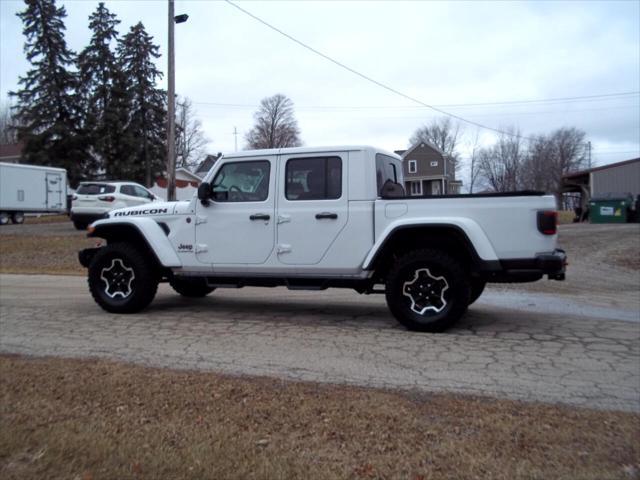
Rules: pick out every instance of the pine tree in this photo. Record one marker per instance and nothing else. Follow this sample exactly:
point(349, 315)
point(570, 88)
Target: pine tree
point(136, 54)
point(46, 104)
point(97, 70)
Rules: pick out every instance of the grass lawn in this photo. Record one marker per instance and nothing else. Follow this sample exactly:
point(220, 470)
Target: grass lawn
point(90, 419)
point(43, 254)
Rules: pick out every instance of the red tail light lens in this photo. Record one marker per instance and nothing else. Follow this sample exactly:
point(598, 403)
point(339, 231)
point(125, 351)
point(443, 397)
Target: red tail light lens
point(548, 222)
point(107, 198)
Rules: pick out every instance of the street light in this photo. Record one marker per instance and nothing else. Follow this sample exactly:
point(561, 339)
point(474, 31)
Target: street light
point(171, 108)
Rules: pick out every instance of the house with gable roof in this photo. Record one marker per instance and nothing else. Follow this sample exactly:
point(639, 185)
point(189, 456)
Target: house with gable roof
point(428, 171)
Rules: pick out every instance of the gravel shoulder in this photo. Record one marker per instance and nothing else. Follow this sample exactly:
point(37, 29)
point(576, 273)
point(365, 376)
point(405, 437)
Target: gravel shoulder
point(604, 266)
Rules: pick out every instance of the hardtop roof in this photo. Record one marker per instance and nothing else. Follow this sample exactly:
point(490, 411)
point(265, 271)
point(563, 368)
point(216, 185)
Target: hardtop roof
point(308, 150)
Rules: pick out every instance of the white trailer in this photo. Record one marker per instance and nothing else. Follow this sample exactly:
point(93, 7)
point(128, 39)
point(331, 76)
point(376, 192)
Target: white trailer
point(31, 189)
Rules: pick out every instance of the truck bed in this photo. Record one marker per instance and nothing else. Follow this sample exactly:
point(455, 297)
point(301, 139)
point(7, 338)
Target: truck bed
point(501, 226)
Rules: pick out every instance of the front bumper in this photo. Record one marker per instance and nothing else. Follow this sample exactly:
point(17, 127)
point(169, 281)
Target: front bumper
point(518, 270)
point(85, 256)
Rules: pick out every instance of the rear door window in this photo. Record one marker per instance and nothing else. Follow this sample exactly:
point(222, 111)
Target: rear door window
point(316, 178)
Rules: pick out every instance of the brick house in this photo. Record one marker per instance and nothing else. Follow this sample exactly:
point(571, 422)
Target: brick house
point(427, 171)
point(11, 152)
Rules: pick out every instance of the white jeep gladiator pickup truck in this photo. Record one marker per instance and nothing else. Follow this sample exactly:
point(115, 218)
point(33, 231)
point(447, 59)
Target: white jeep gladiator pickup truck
point(314, 218)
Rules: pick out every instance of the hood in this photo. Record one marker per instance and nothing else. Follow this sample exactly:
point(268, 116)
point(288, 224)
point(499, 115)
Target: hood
point(154, 209)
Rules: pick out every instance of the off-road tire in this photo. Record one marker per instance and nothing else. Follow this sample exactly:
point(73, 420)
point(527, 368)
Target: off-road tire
point(142, 287)
point(476, 288)
point(80, 225)
point(436, 265)
point(191, 287)
point(17, 218)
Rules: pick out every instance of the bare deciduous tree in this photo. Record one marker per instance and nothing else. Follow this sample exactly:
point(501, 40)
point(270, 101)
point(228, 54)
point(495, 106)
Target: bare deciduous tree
point(551, 156)
point(474, 170)
point(190, 140)
point(8, 132)
point(500, 165)
point(276, 126)
point(442, 133)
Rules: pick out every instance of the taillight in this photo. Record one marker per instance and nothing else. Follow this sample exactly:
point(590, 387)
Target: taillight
point(107, 199)
point(548, 222)
point(74, 197)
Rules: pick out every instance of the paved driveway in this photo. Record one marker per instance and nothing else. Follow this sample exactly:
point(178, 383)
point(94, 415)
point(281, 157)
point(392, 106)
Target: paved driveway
point(520, 347)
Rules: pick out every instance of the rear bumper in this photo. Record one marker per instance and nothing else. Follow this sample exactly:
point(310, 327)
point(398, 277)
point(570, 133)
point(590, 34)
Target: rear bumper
point(552, 264)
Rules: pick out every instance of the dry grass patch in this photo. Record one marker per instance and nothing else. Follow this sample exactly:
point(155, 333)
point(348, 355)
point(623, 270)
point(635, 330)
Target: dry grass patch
point(46, 219)
point(566, 216)
point(42, 254)
point(96, 419)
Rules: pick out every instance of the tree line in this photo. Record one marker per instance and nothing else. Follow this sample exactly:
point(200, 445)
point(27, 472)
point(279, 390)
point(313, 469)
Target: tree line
point(97, 112)
point(513, 162)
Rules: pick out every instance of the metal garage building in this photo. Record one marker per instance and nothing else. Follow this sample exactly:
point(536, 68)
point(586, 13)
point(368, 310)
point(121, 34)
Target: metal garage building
point(616, 180)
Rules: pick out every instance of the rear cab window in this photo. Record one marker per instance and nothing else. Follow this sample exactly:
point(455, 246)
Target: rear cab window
point(388, 175)
point(95, 189)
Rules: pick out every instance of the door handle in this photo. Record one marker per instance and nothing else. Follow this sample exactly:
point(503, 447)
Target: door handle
point(259, 216)
point(330, 215)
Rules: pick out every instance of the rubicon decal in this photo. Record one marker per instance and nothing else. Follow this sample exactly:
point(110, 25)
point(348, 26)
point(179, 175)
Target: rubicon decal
point(149, 211)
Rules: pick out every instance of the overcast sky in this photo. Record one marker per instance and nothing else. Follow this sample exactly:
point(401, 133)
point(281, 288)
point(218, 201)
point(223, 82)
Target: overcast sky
point(443, 53)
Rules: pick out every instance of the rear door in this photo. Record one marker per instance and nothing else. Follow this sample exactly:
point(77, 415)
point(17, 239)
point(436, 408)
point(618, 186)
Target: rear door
point(54, 191)
point(312, 206)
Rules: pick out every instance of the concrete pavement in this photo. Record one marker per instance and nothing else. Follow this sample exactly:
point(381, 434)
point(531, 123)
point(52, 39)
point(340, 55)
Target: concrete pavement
point(503, 347)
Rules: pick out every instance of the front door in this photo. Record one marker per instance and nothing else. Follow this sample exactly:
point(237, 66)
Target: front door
point(237, 226)
point(133, 195)
point(312, 206)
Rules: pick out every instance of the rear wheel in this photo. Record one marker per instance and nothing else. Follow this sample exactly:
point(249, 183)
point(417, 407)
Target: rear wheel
point(17, 217)
point(476, 288)
point(427, 290)
point(122, 279)
point(191, 287)
point(4, 218)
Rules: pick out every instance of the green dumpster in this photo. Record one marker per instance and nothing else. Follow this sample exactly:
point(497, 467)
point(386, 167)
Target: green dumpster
point(609, 210)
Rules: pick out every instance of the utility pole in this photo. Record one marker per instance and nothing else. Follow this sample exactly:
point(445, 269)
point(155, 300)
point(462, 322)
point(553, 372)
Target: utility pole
point(171, 110)
point(235, 135)
point(589, 150)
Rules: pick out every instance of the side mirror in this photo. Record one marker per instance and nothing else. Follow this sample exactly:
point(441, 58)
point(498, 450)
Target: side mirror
point(204, 192)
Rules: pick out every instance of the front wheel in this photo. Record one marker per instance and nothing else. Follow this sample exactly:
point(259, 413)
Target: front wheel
point(80, 225)
point(191, 287)
point(427, 290)
point(122, 279)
